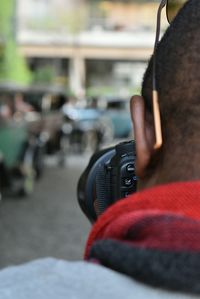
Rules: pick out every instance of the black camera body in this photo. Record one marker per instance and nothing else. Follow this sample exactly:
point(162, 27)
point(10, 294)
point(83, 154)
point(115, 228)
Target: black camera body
point(109, 177)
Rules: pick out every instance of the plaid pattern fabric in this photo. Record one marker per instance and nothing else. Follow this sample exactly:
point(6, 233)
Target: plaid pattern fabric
point(153, 236)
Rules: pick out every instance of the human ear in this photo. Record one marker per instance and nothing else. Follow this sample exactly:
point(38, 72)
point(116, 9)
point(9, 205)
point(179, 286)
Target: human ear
point(143, 134)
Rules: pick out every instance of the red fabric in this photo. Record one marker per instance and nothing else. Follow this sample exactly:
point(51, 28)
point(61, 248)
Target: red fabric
point(164, 217)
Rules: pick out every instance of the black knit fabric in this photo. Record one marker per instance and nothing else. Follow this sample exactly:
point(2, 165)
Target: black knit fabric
point(177, 271)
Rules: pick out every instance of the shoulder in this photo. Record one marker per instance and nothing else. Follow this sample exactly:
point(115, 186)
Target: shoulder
point(51, 278)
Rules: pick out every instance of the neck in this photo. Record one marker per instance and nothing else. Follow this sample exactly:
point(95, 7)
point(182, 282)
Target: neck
point(178, 167)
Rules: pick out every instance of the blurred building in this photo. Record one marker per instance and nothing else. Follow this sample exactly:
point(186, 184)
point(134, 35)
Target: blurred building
point(87, 44)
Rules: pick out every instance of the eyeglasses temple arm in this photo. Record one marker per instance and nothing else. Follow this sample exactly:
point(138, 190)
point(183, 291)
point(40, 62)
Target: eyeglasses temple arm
point(162, 4)
point(156, 109)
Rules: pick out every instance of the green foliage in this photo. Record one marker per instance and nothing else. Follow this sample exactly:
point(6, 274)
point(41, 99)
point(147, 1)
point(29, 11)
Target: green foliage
point(71, 20)
point(6, 17)
point(125, 1)
point(94, 91)
point(13, 67)
point(44, 75)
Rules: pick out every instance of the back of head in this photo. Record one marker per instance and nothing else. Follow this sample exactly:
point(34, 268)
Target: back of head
point(178, 82)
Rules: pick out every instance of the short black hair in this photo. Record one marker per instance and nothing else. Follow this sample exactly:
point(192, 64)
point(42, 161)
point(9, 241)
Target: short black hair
point(178, 73)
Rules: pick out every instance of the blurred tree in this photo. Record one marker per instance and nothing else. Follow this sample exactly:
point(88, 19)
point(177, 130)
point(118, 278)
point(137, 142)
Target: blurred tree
point(44, 75)
point(13, 67)
point(126, 1)
point(5, 16)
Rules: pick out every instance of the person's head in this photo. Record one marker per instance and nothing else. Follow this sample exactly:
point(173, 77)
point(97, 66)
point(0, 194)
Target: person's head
point(178, 82)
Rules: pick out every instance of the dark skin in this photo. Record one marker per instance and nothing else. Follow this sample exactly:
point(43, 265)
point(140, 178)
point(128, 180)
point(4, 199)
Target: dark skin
point(178, 84)
point(144, 137)
point(175, 164)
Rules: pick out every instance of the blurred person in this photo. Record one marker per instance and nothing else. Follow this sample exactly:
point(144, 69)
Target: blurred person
point(21, 106)
point(6, 108)
point(5, 112)
point(69, 108)
point(146, 246)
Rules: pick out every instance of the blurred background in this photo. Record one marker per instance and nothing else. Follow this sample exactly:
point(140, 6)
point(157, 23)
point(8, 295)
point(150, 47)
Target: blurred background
point(67, 72)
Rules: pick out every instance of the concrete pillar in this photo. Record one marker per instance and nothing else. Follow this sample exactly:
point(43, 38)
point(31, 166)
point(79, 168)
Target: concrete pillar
point(77, 75)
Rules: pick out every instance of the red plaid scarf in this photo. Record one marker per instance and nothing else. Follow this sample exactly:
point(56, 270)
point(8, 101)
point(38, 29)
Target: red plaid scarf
point(159, 226)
